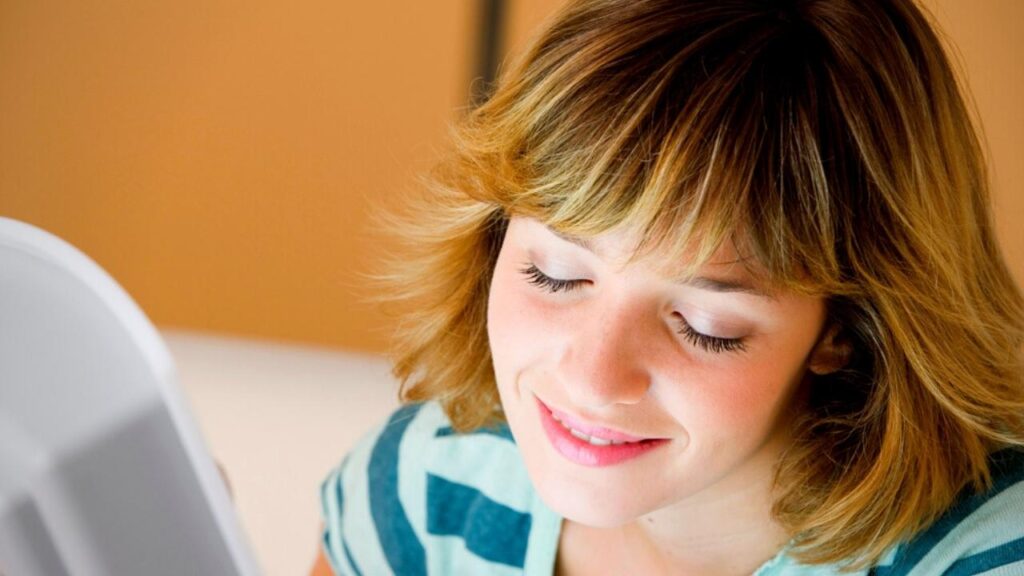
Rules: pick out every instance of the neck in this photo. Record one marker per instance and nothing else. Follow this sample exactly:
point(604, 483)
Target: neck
point(732, 533)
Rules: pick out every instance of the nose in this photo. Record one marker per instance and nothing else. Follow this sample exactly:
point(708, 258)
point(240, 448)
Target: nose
point(604, 362)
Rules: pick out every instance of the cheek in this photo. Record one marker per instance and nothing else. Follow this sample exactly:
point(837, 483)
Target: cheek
point(727, 404)
point(512, 325)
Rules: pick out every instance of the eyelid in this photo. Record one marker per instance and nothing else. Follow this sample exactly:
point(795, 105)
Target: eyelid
point(538, 278)
point(713, 344)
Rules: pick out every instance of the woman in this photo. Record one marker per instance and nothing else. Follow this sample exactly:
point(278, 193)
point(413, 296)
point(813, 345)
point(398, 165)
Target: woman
point(706, 287)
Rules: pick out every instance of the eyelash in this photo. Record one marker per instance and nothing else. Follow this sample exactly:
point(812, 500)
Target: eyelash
point(542, 280)
point(712, 344)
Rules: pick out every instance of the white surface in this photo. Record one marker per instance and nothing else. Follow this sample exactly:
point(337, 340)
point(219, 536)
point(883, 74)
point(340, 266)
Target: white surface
point(278, 417)
point(92, 425)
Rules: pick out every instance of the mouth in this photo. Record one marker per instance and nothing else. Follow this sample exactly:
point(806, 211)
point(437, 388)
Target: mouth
point(591, 445)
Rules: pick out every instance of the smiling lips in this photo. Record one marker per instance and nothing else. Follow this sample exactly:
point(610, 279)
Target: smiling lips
point(595, 433)
point(591, 445)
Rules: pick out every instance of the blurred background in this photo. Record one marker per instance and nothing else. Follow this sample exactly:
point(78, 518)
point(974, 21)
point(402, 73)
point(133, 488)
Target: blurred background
point(220, 160)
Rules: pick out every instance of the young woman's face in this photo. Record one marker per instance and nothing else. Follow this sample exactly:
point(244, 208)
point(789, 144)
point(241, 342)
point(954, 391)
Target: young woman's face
point(678, 392)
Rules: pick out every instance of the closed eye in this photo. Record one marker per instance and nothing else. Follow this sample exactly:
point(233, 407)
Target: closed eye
point(708, 343)
point(714, 344)
point(537, 278)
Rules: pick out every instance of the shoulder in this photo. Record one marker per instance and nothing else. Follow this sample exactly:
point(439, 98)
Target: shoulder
point(980, 533)
point(415, 497)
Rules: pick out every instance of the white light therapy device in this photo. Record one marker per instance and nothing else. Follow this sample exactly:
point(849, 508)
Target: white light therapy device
point(103, 471)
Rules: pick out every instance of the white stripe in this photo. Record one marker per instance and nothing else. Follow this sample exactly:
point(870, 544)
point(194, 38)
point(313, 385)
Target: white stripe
point(481, 461)
point(786, 565)
point(542, 548)
point(357, 523)
point(412, 478)
point(459, 560)
point(485, 462)
point(328, 512)
point(996, 522)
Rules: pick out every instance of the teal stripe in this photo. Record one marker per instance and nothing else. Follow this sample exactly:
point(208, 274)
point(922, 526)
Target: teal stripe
point(402, 549)
point(490, 530)
point(351, 560)
point(499, 431)
point(1007, 469)
point(340, 493)
point(348, 556)
point(327, 520)
point(1008, 553)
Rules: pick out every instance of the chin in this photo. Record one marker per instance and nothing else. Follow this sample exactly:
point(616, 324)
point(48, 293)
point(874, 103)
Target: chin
point(590, 505)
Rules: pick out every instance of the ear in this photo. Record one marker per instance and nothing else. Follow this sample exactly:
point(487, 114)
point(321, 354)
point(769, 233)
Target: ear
point(832, 351)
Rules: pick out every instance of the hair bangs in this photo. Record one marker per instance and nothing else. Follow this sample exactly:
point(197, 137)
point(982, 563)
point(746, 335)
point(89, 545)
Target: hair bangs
point(711, 147)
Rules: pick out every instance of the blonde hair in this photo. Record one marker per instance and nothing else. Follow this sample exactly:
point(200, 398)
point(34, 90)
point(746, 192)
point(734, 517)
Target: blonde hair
point(830, 141)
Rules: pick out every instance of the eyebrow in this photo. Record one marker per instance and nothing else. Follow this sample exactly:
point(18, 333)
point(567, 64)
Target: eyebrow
point(581, 242)
point(722, 285)
point(700, 282)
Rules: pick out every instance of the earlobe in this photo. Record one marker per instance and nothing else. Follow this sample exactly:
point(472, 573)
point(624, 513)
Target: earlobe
point(831, 353)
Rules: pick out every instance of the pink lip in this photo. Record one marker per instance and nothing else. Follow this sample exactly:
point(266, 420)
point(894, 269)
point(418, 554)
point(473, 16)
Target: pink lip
point(603, 433)
point(587, 454)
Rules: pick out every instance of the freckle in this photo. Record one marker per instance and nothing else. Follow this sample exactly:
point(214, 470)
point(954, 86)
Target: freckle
point(651, 520)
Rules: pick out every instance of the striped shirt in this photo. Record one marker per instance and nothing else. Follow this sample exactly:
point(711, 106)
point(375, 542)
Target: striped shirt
point(415, 498)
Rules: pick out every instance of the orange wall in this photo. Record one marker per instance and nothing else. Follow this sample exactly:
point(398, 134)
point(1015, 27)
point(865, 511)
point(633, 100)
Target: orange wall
point(219, 158)
point(987, 42)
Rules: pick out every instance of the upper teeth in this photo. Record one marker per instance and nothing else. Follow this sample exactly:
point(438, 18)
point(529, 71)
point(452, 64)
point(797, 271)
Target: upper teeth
point(585, 437)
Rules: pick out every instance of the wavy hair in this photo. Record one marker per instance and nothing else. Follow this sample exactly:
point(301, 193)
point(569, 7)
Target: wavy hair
point(827, 138)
